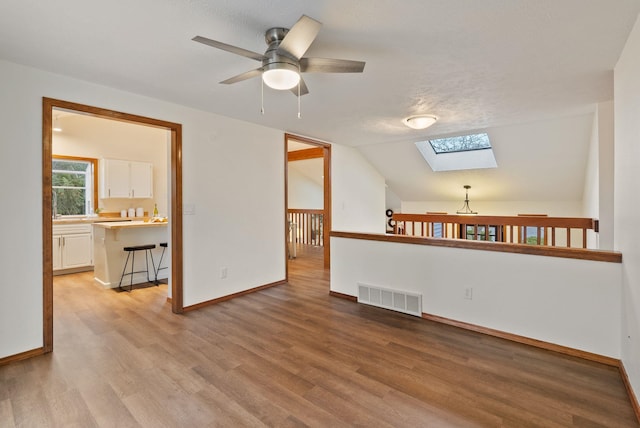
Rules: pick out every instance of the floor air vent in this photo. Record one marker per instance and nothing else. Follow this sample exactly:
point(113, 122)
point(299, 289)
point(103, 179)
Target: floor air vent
point(396, 300)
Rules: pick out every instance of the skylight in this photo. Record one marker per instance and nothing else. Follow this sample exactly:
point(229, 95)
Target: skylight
point(458, 153)
point(462, 143)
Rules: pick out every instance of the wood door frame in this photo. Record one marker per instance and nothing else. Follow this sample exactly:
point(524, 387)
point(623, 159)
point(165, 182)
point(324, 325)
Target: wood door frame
point(326, 223)
point(175, 129)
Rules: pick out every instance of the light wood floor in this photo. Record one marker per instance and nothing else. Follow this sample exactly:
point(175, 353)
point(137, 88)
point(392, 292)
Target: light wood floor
point(290, 356)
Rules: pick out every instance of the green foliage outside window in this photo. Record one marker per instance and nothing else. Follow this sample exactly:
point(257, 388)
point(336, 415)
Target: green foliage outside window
point(70, 181)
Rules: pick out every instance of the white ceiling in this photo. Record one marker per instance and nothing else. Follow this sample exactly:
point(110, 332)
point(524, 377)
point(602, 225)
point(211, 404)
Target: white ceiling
point(476, 65)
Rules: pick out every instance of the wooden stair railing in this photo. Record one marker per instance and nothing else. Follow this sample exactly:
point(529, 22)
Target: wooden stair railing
point(548, 231)
point(309, 226)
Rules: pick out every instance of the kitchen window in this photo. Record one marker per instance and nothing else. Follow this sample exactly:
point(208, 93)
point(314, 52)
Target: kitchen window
point(74, 183)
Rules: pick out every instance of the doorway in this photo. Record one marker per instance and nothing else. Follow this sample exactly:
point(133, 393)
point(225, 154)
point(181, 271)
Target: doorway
point(175, 172)
point(310, 225)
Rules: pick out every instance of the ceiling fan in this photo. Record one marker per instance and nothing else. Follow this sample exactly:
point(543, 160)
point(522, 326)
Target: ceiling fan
point(283, 60)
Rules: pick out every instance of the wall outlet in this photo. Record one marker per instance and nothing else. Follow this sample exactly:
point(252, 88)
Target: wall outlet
point(468, 293)
point(223, 273)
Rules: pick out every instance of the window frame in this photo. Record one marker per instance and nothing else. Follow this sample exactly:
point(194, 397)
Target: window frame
point(94, 163)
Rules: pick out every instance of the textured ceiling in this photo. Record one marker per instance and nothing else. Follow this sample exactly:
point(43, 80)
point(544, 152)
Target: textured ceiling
point(476, 65)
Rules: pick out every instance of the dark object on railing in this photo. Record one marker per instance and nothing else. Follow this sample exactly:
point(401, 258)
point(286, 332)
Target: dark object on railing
point(390, 222)
point(533, 229)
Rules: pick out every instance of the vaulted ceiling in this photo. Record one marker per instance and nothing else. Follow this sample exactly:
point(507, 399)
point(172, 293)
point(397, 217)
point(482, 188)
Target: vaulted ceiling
point(529, 72)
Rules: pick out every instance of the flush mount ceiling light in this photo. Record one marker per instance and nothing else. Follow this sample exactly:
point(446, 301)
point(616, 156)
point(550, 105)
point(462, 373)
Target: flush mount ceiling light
point(466, 210)
point(422, 121)
point(56, 125)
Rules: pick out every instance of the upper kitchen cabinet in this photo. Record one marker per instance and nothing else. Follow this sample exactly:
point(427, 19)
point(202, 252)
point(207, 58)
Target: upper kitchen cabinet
point(141, 179)
point(125, 179)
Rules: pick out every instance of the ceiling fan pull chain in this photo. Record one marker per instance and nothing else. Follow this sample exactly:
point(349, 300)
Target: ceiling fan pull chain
point(299, 117)
point(262, 98)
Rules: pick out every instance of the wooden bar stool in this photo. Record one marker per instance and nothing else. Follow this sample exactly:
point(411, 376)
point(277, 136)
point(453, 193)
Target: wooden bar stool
point(131, 252)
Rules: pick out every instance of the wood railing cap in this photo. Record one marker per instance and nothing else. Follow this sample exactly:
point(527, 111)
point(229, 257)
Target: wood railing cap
point(535, 250)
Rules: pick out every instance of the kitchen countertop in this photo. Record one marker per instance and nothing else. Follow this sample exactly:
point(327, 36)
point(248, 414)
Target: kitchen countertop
point(130, 224)
point(89, 220)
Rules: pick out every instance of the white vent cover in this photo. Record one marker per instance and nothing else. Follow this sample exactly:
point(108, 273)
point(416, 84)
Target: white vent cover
point(396, 300)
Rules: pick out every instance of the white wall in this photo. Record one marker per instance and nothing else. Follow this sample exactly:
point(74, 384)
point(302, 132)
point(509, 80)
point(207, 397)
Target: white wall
point(627, 205)
point(223, 232)
point(590, 198)
point(357, 192)
point(305, 184)
point(597, 199)
point(88, 136)
point(606, 171)
point(573, 303)
point(507, 208)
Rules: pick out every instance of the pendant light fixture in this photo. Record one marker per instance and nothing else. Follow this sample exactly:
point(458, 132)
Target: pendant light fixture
point(466, 210)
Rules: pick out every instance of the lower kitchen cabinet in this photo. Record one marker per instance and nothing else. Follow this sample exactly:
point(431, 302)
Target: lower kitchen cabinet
point(72, 247)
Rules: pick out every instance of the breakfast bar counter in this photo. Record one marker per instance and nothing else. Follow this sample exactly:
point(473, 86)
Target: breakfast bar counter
point(109, 240)
point(114, 225)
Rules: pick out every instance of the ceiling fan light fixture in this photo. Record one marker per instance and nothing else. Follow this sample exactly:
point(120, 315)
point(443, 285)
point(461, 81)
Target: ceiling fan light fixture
point(281, 76)
point(422, 121)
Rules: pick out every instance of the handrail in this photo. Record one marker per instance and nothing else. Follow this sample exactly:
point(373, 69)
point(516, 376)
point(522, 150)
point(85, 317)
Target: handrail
point(511, 229)
point(534, 250)
point(308, 226)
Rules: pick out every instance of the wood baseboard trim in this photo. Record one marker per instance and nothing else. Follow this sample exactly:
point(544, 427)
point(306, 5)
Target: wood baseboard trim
point(168, 299)
point(526, 340)
point(21, 356)
point(232, 296)
point(343, 296)
point(632, 396)
point(516, 338)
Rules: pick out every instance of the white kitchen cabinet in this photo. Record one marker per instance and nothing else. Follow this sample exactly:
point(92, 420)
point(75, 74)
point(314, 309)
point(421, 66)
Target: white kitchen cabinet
point(72, 246)
point(57, 252)
point(141, 179)
point(125, 179)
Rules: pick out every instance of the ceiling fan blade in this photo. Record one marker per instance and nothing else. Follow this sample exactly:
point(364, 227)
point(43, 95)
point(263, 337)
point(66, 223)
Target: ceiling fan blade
point(229, 48)
point(243, 76)
point(300, 37)
point(303, 88)
point(329, 65)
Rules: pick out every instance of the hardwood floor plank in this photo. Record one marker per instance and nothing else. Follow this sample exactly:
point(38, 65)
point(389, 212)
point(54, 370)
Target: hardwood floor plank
point(105, 406)
point(69, 410)
point(32, 410)
point(293, 399)
point(6, 414)
point(349, 412)
point(227, 413)
point(290, 356)
point(239, 391)
point(148, 411)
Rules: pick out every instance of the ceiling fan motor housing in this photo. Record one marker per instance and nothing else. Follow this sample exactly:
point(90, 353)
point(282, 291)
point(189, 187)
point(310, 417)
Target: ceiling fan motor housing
point(274, 59)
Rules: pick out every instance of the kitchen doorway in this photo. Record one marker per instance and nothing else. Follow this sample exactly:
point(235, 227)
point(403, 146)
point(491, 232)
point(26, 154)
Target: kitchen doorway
point(309, 222)
point(175, 218)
